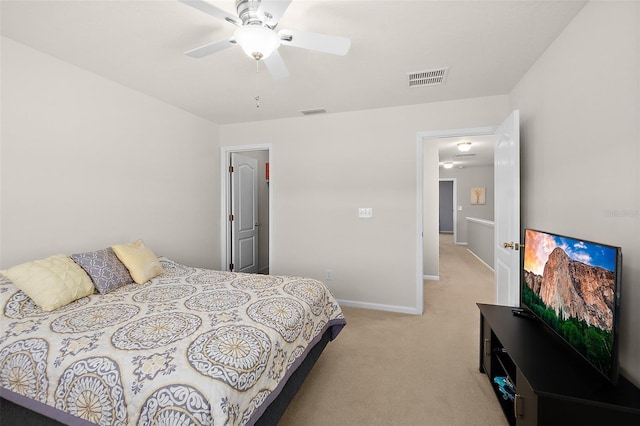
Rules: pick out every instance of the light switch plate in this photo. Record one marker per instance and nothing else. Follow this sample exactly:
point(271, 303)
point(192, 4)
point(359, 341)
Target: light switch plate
point(365, 212)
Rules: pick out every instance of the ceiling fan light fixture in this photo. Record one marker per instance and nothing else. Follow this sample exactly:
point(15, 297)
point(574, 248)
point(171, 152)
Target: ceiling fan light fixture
point(258, 42)
point(464, 146)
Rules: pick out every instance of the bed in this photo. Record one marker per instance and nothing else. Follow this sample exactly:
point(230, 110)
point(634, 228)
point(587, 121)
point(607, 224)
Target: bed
point(189, 346)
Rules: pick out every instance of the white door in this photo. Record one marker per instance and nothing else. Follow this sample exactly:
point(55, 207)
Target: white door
point(244, 213)
point(507, 211)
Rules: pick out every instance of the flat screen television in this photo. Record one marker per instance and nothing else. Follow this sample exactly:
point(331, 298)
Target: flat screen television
point(573, 286)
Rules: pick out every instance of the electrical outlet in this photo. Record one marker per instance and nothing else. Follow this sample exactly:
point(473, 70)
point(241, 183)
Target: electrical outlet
point(329, 275)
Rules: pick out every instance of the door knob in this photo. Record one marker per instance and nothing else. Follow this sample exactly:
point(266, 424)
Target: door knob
point(512, 245)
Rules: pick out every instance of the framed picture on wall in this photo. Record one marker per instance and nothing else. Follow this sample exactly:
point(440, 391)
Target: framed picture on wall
point(478, 196)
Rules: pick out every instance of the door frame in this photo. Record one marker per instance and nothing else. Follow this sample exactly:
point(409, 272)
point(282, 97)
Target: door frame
point(225, 199)
point(422, 138)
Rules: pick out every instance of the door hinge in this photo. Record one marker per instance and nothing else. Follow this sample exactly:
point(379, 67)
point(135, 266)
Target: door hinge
point(230, 169)
point(231, 266)
point(230, 218)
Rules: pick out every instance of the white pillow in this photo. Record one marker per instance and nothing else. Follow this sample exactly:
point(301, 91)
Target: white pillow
point(52, 282)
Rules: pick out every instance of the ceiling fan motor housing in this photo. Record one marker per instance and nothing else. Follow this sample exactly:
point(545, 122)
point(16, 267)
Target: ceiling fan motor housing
point(248, 12)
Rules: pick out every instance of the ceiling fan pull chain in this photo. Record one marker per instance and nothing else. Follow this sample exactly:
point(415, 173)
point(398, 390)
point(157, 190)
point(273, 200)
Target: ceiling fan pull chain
point(257, 98)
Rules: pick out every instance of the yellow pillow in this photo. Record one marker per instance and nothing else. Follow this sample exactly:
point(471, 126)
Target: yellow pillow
point(141, 262)
point(52, 282)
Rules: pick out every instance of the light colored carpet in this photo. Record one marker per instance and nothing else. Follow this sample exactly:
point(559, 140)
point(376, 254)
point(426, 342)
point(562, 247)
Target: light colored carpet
point(395, 369)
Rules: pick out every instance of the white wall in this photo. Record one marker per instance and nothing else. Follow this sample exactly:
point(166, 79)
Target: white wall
point(87, 163)
point(580, 117)
point(324, 167)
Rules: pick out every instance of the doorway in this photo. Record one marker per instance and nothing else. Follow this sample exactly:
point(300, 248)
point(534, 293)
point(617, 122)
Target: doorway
point(246, 241)
point(507, 206)
point(428, 238)
point(447, 203)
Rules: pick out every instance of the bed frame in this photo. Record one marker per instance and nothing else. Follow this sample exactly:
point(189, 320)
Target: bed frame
point(16, 409)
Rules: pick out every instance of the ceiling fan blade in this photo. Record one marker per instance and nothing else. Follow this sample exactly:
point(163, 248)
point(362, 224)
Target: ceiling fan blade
point(319, 42)
point(212, 10)
point(270, 11)
point(209, 48)
point(276, 65)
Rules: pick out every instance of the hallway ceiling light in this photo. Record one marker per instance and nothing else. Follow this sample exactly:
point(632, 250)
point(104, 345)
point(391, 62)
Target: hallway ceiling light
point(464, 146)
point(447, 164)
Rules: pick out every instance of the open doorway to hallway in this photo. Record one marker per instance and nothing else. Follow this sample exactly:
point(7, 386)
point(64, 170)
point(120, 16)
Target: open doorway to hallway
point(436, 149)
point(506, 180)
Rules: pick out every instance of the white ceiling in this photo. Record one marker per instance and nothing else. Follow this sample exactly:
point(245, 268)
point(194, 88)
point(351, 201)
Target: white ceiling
point(487, 45)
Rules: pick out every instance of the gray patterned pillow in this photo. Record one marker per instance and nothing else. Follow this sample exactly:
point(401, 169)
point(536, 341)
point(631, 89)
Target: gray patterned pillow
point(104, 268)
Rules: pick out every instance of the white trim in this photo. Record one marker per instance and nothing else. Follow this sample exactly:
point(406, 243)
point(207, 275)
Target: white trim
point(455, 133)
point(483, 262)
point(431, 277)
point(485, 222)
point(379, 307)
point(420, 229)
point(225, 162)
point(420, 139)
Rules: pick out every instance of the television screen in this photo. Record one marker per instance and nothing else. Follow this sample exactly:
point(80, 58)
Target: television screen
point(573, 286)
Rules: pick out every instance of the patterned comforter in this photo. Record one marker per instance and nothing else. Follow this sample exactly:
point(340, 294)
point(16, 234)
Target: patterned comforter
point(193, 346)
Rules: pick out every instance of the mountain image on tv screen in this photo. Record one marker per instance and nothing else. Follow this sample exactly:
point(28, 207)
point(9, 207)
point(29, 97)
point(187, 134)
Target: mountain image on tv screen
point(570, 285)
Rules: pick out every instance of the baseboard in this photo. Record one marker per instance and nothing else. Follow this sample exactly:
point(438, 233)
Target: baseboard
point(380, 307)
point(431, 277)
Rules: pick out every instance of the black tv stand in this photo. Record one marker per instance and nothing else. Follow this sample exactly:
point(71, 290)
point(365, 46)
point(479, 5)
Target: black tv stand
point(551, 384)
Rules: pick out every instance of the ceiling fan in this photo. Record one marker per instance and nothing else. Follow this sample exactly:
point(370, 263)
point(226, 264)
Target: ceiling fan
point(256, 34)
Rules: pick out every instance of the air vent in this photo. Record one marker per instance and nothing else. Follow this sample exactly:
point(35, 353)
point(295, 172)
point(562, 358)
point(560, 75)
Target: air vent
point(465, 155)
point(428, 78)
point(313, 111)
